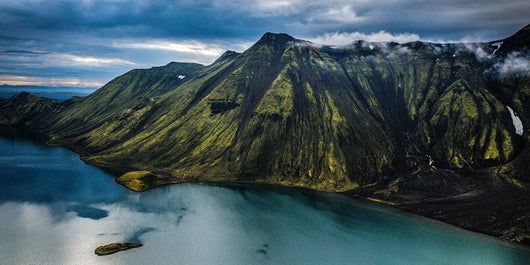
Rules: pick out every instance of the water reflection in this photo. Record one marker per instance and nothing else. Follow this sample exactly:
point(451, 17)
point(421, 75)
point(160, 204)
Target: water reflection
point(87, 211)
point(54, 209)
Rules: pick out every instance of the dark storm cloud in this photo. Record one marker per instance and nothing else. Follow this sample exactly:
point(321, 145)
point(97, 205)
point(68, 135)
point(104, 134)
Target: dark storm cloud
point(119, 18)
point(103, 38)
point(249, 19)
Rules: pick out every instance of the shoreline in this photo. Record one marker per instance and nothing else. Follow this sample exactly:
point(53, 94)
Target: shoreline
point(400, 207)
point(417, 209)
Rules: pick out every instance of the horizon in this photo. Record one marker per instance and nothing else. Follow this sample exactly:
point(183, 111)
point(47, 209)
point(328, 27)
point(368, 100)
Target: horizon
point(42, 86)
point(88, 43)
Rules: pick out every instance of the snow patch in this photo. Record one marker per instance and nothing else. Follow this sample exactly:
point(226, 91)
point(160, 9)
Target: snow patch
point(498, 45)
point(431, 161)
point(181, 77)
point(516, 121)
point(344, 38)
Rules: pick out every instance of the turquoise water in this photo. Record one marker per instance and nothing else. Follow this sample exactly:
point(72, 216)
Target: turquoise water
point(54, 209)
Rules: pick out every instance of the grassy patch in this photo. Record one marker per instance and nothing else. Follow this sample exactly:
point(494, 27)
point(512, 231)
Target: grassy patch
point(139, 180)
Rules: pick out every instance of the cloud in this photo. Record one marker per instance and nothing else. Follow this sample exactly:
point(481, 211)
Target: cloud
point(261, 8)
point(514, 63)
point(451, 19)
point(37, 67)
point(188, 51)
point(479, 50)
point(23, 52)
point(46, 59)
point(194, 47)
point(17, 80)
point(340, 14)
point(101, 39)
point(344, 38)
point(68, 59)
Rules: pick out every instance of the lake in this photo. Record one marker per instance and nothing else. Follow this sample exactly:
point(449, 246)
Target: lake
point(54, 209)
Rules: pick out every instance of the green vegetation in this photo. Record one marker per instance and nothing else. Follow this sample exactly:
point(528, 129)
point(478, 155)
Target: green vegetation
point(115, 247)
point(139, 180)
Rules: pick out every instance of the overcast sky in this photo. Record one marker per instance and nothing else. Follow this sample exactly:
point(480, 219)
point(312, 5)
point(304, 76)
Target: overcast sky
point(89, 42)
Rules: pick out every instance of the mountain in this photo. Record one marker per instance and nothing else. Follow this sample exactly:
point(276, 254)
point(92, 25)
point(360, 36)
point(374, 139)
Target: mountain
point(436, 129)
point(518, 41)
point(55, 92)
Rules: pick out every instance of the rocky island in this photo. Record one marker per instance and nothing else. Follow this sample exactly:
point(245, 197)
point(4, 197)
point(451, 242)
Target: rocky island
point(115, 247)
point(441, 130)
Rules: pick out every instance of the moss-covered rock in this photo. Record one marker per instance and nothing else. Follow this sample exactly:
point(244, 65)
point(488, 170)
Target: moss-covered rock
point(139, 180)
point(115, 247)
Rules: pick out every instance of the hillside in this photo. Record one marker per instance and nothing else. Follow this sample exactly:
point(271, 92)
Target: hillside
point(437, 129)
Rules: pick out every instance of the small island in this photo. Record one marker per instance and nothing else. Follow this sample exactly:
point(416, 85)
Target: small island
point(115, 247)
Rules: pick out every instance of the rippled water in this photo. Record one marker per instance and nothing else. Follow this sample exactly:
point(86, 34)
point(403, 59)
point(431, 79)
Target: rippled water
point(54, 209)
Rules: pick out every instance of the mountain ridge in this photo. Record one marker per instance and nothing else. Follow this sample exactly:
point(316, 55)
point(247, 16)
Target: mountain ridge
point(421, 126)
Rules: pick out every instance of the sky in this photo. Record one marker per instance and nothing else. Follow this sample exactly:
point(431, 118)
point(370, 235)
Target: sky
point(89, 42)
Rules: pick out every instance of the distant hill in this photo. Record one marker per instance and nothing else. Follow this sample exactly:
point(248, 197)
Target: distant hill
point(437, 129)
point(54, 92)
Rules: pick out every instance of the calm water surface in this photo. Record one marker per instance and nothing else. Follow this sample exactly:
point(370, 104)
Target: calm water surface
point(54, 209)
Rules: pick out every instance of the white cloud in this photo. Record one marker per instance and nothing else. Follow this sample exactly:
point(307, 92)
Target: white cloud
point(344, 38)
point(514, 63)
point(194, 47)
point(278, 6)
point(18, 80)
point(259, 8)
point(190, 50)
point(343, 14)
point(87, 60)
point(475, 48)
point(44, 59)
point(464, 39)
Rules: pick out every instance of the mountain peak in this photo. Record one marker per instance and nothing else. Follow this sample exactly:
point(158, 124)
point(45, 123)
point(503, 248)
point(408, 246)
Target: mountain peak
point(226, 56)
point(25, 97)
point(275, 38)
